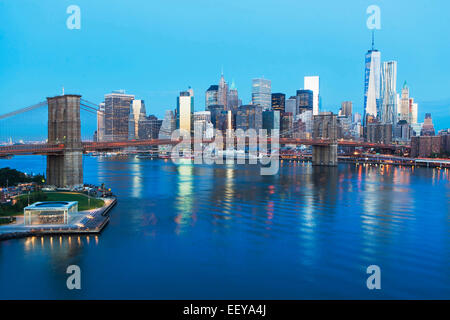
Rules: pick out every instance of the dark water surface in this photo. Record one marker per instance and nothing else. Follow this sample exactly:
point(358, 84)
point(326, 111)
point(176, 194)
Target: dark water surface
point(212, 232)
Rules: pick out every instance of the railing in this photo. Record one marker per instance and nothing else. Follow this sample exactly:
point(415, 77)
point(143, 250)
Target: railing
point(99, 146)
point(31, 149)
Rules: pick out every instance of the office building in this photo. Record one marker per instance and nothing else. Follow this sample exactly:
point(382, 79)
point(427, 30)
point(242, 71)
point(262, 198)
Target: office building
point(212, 96)
point(312, 83)
point(262, 93)
point(233, 99)
point(291, 105)
point(137, 114)
point(427, 127)
point(100, 136)
point(372, 83)
point(346, 109)
point(388, 112)
point(117, 112)
point(278, 101)
point(249, 117)
point(304, 101)
point(185, 107)
point(271, 120)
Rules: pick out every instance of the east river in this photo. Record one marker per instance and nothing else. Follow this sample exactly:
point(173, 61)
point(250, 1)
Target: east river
point(225, 231)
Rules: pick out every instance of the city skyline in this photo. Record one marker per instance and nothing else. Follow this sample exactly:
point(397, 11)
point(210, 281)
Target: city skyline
point(341, 75)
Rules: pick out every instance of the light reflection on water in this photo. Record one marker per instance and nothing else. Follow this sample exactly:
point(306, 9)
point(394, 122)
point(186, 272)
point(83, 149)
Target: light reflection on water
point(201, 231)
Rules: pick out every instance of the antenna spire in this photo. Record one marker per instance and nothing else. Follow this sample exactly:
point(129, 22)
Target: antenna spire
point(63, 90)
point(373, 39)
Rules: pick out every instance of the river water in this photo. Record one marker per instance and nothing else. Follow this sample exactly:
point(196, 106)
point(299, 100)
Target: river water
point(223, 231)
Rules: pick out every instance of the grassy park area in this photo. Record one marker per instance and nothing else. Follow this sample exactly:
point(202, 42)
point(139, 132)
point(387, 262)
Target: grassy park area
point(22, 201)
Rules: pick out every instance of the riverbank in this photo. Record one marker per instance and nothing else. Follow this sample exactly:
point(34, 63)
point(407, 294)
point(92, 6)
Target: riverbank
point(86, 222)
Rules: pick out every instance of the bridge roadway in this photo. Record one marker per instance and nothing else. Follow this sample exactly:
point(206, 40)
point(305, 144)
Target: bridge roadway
point(50, 149)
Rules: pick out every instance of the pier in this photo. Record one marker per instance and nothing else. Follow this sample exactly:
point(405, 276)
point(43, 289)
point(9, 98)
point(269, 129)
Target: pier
point(88, 222)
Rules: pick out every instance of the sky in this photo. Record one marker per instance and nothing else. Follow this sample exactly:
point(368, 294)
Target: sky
point(155, 49)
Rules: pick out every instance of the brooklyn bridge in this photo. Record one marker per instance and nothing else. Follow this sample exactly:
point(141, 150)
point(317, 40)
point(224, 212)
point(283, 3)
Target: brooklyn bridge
point(64, 147)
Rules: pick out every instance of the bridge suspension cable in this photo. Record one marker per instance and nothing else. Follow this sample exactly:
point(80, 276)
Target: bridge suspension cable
point(23, 110)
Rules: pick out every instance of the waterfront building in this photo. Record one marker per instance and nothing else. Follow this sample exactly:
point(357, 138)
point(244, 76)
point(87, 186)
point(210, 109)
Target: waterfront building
point(149, 127)
point(262, 93)
point(312, 83)
point(249, 117)
point(117, 111)
point(346, 109)
point(212, 96)
point(372, 82)
point(428, 146)
point(278, 101)
point(304, 101)
point(168, 125)
point(389, 92)
point(291, 105)
point(271, 120)
point(185, 107)
point(137, 114)
point(427, 127)
point(50, 212)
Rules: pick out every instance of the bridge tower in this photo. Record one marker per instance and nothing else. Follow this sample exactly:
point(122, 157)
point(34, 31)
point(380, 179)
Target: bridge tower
point(64, 126)
point(325, 128)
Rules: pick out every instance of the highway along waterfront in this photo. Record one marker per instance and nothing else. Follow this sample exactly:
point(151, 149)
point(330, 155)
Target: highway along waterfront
point(226, 232)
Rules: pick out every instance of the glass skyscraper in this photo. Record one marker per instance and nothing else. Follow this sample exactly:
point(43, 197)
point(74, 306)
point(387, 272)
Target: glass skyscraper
point(262, 93)
point(312, 83)
point(388, 110)
point(117, 111)
point(212, 96)
point(372, 82)
point(278, 101)
point(304, 101)
point(185, 107)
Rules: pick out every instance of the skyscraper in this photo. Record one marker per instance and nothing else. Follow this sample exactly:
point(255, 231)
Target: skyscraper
point(261, 93)
point(291, 106)
point(278, 101)
point(101, 122)
point(312, 83)
point(404, 104)
point(304, 101)
point(427, 127)
point(137, 113)
point(346, 108)
point(212, 96)
point(117, 111)
point(249, 117)
point(185, 107)
point(222, 93)
point(389, 93)
point(233, 98)
point(372, 83)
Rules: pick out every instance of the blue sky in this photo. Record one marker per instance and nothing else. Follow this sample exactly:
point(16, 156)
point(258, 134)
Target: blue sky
point(154, 49)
